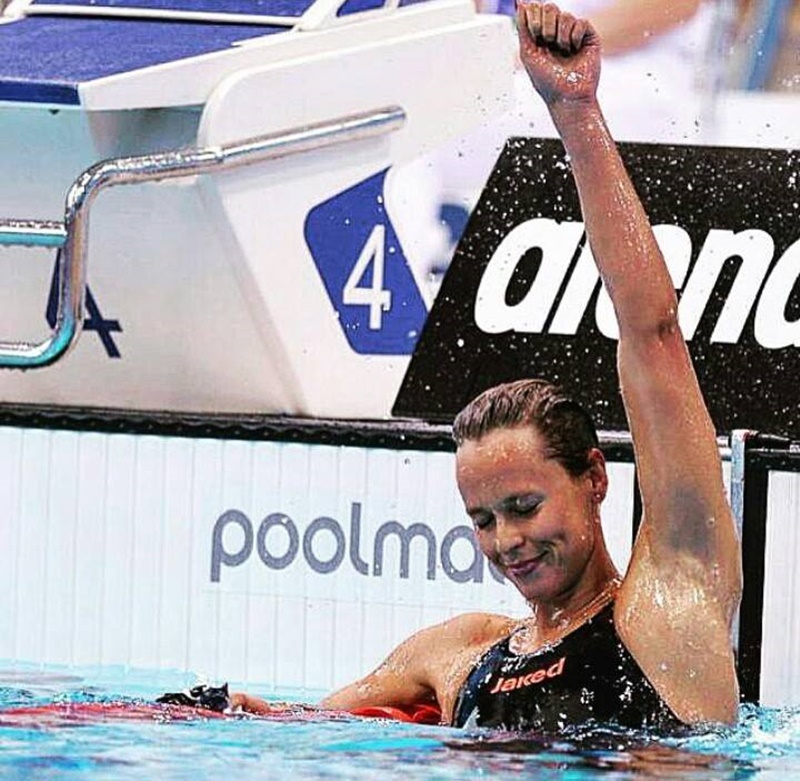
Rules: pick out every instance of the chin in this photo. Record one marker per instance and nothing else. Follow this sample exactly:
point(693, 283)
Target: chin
point(546, 588)
point(541, 591)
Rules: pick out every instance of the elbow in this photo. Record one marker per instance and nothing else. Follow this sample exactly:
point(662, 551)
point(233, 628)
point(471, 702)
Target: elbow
point(649, 328)
point(666, 329)
point(667, 325)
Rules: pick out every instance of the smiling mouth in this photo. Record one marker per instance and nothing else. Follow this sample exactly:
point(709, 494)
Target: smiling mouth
point(524, 568)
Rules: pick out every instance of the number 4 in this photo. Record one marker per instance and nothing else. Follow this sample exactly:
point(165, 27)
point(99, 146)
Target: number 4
point(373, 295)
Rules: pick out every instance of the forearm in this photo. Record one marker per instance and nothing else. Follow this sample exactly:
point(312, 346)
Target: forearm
point(250, 704)
point(628, 24)
point(619, 232)
point(355, 695)
point(376, 690)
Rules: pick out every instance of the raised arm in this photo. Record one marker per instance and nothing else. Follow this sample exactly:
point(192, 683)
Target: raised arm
point(683, 583)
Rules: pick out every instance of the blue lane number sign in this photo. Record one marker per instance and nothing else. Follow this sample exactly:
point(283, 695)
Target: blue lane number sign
point(364, 270)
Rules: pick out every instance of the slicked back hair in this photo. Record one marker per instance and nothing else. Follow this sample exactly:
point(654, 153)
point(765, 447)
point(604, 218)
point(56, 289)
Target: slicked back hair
point(566, 427)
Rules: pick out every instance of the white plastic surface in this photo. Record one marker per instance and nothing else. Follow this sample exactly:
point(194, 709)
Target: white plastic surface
point(266, 207)
point(192, 81)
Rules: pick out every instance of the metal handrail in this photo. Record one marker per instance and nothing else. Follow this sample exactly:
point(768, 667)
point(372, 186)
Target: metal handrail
point(32, 233)
point(71, 236)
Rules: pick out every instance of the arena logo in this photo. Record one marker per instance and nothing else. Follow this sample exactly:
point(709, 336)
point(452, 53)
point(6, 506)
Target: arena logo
point(522, 297)
point(278, 543)
point(755, 284)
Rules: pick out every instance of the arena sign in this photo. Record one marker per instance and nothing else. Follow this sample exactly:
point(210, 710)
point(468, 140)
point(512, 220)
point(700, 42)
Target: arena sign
point(522, 296)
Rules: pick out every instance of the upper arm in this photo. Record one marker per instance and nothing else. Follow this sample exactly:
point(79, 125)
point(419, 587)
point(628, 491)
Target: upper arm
point(401, 679)
point(678, 599)
point(687, 519)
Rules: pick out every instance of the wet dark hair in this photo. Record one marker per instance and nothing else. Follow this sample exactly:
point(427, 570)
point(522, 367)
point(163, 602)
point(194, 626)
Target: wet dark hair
point(566, 427)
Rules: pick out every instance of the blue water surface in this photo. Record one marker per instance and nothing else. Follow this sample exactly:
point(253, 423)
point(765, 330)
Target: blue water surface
point(764, 745)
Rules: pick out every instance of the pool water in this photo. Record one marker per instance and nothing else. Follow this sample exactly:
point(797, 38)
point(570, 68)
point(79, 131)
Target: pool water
point(764, 745)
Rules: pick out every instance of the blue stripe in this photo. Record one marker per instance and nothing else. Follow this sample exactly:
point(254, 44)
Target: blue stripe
point(32, 92)
point(771, 17)
point(354, 6)
point(44, 59)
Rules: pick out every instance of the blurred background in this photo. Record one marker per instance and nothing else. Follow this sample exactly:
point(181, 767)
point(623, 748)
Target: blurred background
point(684, 71)
point(766, 45)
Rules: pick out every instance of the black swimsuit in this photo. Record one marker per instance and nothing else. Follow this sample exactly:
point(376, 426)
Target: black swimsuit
point(588, 675)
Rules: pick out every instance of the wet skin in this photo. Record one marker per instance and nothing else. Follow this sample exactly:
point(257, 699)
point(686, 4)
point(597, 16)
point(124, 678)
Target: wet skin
point(540, 525)
point(533, 520)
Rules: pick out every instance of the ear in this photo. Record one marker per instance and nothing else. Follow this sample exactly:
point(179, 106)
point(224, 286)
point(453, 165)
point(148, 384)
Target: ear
point(597, 475)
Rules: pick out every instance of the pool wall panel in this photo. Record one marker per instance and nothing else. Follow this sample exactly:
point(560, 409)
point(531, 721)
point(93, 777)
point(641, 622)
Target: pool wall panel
point(780, 651)
point(109, 539)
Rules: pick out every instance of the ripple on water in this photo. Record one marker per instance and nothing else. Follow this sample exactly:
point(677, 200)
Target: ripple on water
point(765, 744)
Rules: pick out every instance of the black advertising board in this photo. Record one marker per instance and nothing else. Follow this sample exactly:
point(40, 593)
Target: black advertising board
point(522, 298)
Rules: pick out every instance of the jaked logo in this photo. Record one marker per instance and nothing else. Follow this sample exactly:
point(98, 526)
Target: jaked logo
point(530, 679)
point(522, 297)
point(364, 270)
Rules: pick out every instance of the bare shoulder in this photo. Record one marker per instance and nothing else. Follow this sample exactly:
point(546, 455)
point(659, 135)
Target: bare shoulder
point(444, 645)
point(460, 643)
point(469, 629)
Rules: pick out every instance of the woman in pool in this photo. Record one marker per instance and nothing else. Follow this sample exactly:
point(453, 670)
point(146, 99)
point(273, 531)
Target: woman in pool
point(652, 648)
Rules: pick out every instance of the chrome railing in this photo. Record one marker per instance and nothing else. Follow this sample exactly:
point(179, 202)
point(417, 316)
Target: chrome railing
point(71, 236)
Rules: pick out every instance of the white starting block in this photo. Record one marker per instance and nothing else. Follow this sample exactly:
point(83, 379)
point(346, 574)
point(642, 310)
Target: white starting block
point(273, 272)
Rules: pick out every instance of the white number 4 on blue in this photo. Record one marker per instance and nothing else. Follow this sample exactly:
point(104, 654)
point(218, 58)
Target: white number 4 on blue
point(365, 272)
point(371, 294)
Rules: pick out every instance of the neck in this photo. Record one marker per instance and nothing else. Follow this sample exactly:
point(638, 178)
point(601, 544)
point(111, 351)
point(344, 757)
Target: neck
point(550, 623)
point(596, 587)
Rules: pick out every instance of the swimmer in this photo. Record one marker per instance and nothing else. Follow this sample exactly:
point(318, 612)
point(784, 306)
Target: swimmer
point(652, 648)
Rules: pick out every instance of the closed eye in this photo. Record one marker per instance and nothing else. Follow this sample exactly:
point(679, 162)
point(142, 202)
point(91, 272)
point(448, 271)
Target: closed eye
point(523, 506)
point(482, 520)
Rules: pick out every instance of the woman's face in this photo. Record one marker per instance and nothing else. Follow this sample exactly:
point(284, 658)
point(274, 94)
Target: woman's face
point(533, 520)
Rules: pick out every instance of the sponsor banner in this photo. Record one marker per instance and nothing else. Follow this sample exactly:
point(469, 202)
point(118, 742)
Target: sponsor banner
point(325, 543)
point(523, 298)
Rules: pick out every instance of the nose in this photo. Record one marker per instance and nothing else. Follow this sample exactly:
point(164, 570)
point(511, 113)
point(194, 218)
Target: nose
point(508, 537)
